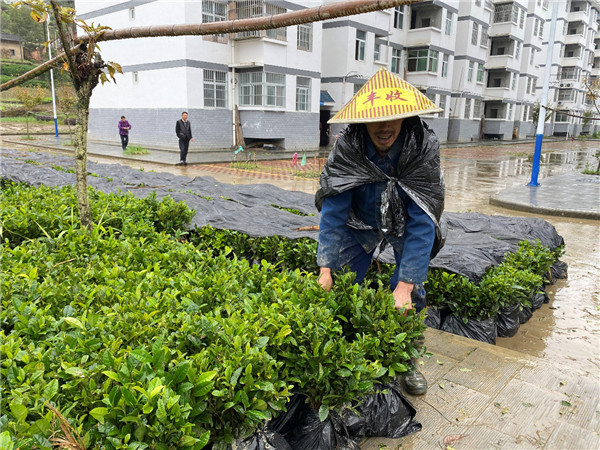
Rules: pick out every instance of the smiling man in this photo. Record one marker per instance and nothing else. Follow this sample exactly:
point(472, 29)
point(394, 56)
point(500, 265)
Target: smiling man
point(382, 185)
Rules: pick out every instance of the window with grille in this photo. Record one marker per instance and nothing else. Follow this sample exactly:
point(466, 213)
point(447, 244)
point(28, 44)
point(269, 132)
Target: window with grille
point(396, 60)
point(468, 108)
point(262, 89)
point(247, 9)
point(442, 104)
point(508, 12)
point(361, 42)
point(215, 88)
point(518, 51)
point(302, 94)
point(213, 11)
point(399, 17)
point(480, 73)
point(513, 84)
point(561, 116)
point(449, 23)
point(522, 19)
point(476, 109)
point(422, 60)
point(470, 72)
point(305, 37)
point(484, 37)
point(532, 57)
point(475, 34)
point(541, 29)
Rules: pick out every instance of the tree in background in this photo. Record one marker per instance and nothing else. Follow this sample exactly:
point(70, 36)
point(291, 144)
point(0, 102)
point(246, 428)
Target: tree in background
point(30, 97)
point(535, 113)
point(67, 100)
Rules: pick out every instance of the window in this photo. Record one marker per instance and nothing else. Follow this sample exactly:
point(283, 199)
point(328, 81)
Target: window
point(305, 37)
point(518, 51)
point(13, 52)
point(377, 52)
point(528, 88)
point(541, 35)
point(134, 77)
point(449, 23)
point(484, 36)
point(470, 73)
point(302, 94)
point(131, 13)
point(508, 12)
point(395, 60)
point(536, 26)
point(278, 33)
point(532, 57)
point(442, 104)
point(475, 34)
point(561, 116)
point(399, 17)
point(257, 8)
point(477, 109)
point(213, 11)
point(477, 2)
point(522, 19)
point(361, 42)
point(468, 108)
point(445, 65)
point(525, 113)
point(422, 60)
point(480, 73)
point(357, 88)
point(215, 88)
point(262, 89)
point(509, 112)
point(513, 84)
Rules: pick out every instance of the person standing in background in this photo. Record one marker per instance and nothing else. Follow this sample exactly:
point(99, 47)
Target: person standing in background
point(183, 130)
point(124, 128)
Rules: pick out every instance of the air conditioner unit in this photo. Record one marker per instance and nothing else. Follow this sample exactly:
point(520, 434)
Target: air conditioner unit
point(562, 84)
point(560, 103)
point(568, 84)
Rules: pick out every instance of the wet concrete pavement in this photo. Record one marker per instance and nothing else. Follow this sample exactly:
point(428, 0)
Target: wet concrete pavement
point(511, 395)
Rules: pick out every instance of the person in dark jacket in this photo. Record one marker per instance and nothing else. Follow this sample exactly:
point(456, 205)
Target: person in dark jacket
point(382, 185)
point(183, 130)
point(124, 128)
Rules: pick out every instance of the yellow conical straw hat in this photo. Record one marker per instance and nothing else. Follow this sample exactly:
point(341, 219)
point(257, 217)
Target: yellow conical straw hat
point(384, 97)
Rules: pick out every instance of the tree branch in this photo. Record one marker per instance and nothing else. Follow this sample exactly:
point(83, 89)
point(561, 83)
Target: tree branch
point(316, 14)
point(69, 56)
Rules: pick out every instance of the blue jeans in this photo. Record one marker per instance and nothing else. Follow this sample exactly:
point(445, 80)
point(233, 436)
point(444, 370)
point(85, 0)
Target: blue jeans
point(358, 260)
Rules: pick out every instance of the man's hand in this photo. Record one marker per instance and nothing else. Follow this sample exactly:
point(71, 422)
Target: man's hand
point(325, 279)
point(402, 297)
point(192, 140)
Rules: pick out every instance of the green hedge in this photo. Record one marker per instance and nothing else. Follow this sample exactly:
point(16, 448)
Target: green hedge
point(141, 339)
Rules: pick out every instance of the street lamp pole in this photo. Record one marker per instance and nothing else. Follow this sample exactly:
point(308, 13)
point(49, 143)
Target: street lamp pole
point(535, 169)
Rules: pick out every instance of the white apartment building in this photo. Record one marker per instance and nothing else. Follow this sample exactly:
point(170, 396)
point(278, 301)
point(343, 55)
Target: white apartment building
point(483, 62)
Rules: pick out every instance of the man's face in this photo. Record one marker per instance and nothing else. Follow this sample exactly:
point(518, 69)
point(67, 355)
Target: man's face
point(184, 116)
point(384, 134)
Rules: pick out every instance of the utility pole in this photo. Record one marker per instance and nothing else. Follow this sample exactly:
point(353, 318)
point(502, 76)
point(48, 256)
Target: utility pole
point(52, 79)
point(535, 169)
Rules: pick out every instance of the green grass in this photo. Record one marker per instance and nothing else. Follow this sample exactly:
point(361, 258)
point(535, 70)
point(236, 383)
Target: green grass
point(136, 150)
point(244, 165)
point(23, 119)
point(307, 174)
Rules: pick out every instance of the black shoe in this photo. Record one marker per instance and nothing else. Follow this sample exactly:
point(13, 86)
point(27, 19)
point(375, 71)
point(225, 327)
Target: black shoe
point(184, 163)
point(414, 382)
point(180, 163)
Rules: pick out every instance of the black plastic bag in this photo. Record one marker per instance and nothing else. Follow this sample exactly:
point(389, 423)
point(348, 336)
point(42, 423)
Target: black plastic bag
point(480, 330)
point(433, 319)
point(525, 314)
point(538, 299)
point(507, 321)
point(386, 413)
point(297, 410)
point(264, 439)
point(558, 271)
point(312, 434)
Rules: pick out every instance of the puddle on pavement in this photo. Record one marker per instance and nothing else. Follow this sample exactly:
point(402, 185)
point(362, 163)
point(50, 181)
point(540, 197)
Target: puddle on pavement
point(566, 330)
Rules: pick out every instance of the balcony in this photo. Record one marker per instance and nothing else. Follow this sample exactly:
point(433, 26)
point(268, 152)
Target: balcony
point(425, 16)
point(423, 37)
point(578, 16)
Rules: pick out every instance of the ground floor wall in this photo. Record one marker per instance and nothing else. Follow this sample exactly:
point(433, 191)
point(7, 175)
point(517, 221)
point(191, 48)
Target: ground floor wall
point(463, 130)
point(212, 129)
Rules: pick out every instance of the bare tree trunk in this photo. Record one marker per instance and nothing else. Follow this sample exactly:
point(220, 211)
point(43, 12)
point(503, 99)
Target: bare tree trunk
point(84, 93)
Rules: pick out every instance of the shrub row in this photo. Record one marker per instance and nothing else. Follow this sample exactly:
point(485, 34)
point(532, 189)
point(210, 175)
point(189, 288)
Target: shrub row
point(142, 340)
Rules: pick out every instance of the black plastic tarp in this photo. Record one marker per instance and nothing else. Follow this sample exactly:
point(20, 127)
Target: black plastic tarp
point(474, 241)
